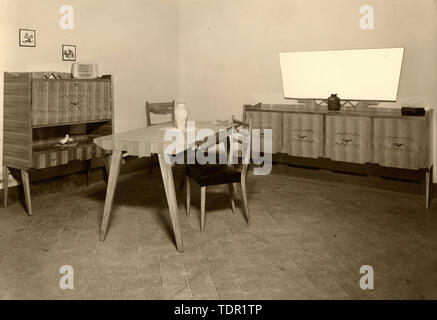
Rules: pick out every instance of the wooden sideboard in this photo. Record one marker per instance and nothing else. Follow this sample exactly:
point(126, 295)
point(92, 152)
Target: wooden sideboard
point(39, 111)
point(368, 140)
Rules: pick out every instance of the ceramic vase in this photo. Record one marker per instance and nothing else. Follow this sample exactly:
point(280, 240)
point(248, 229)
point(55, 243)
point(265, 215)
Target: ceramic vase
point(181, 116)
point(334, 103)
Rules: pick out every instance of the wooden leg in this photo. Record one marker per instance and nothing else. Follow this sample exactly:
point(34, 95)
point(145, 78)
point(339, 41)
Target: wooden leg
point(152, 158)
point(202, 208)
point(26, 185)
point(5, 185)
point(88, 167)
point(235, 185)
point(107, 167)
point(243, 191)
point(183, 177)
point(428, 181)
point(167, 178)
point(110, 192)
point(231, 192)
point(188, 195)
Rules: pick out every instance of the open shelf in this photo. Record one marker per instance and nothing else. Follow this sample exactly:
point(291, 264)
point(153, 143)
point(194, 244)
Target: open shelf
point(48, 152)
point(70, 123)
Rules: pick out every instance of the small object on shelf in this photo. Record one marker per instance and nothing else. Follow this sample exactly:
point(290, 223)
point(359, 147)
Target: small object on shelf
point(333, 103)
point(412, 111)
point(84, 71)
point(65, 140)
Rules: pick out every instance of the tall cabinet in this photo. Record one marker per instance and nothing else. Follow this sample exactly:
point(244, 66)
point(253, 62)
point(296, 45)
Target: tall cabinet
point(40, 110)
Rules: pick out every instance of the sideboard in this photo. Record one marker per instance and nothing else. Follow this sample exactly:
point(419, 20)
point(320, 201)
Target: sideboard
point(369, 140)
point(40, 108)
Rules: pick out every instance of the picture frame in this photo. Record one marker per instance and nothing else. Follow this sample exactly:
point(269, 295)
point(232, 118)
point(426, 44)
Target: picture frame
point(27, 38)
point(68, 52)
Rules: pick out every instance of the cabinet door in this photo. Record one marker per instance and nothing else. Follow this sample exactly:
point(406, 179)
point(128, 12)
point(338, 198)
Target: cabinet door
point(45, 101)
point(267, 120)
point(400, 143)
point(303, 135)
point(98, 100)
point(348, 139)
point(107, 97)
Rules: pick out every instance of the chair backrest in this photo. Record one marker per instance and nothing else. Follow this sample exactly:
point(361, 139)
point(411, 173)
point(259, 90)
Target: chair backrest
point(241, 140)
point(159, 108)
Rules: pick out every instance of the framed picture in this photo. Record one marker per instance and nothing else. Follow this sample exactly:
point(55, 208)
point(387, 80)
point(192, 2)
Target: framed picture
point(68, 52)
point(27, 38)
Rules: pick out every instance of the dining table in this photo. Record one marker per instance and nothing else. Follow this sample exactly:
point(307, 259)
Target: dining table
point(143, 142)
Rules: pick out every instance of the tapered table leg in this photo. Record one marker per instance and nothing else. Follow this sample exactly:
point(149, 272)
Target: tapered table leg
point(5, 185)
point(428, 189)
point(110, 192)
point(26, 185)
point(167, 177)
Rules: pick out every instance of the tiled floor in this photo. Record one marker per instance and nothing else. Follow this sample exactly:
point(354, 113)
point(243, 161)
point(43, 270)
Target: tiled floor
point(308, 240)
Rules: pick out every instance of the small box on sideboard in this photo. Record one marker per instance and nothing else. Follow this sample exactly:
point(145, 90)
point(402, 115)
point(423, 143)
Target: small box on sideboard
point(39, 110)
point(412, 111)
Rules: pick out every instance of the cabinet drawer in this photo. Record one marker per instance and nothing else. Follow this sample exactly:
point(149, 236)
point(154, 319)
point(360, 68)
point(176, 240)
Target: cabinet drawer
point(53, 158)
point(400, 143)
point(303, 135)
point(348, 139)
point(47, 159)
point(267, 120)
point(46, 100)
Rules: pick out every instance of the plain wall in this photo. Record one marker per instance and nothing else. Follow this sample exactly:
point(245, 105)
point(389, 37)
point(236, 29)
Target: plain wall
point(228, 49)
point(133, 40)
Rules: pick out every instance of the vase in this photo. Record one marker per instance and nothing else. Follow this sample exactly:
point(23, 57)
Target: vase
point(181, 116)
point(333, 103)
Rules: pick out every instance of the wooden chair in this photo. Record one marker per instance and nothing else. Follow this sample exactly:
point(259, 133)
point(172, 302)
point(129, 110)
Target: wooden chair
point(221, 174)
point(162, 108)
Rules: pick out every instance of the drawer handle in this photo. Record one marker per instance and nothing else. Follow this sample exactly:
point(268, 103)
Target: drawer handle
point(347, 140)
point(399, 145)
point(302, 137)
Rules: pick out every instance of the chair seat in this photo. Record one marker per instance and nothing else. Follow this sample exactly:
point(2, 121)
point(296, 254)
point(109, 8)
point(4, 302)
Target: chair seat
point(213, 174)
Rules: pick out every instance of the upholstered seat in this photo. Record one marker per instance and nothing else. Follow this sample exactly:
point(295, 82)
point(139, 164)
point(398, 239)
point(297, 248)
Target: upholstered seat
point(213, 174)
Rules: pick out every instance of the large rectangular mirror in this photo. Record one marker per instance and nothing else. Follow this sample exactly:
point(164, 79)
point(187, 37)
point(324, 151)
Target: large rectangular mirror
point(367, 74)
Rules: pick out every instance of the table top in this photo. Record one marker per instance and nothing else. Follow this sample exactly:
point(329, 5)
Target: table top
point(145, 141)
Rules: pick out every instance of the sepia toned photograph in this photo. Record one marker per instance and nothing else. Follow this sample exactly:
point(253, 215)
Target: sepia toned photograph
point(27, 38)
point(68, 53)
point(222, 155)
